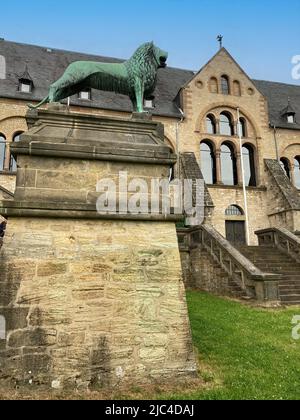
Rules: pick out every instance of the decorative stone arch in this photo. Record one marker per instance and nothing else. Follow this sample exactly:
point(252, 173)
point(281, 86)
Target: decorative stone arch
point(10, 125)
point(210, 109)
point(235, 210)
point(208, 139)
point(291, 151)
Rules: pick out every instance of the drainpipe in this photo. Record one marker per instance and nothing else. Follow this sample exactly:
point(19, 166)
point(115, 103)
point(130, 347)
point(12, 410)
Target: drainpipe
point(177, 127)
point(276, 143)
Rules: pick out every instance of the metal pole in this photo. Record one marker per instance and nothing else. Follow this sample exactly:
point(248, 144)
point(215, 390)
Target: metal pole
point(276, 144)
point(244, 181)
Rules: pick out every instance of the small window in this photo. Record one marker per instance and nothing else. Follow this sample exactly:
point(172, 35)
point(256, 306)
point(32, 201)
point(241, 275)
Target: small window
point(234, 210)
point(237, 88)
point(213, 85)
point(208, 162)
point(225, 85)
point(242, 128)
point(211, 127)
point(13, 162)
point(249, 165)
point(2, 151)
point(228, 165)
point(25, 86)
point(286, 166)
point(297, 172)
point(148, 103)
point(85, 95)
point(226, 124)
point(291, 118)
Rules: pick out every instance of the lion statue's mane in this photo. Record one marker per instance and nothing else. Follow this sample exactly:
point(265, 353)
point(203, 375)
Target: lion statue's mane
point(135, 77)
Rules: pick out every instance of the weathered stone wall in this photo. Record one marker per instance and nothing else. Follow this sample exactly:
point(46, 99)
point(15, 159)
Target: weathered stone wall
point(90, 299)
point(201, 272)
point(93, 302)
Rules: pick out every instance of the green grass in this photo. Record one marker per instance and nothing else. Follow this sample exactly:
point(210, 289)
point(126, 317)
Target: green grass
point(244, 353)
point(249, 352)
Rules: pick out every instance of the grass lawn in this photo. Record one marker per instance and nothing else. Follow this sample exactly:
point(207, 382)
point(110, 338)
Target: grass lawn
point(249, 351)
point(244, 352)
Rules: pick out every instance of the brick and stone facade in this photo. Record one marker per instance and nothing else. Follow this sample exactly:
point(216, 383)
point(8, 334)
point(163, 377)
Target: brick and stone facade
point(199, 95)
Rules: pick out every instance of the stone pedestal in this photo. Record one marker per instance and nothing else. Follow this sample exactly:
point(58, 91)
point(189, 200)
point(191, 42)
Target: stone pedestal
point(90, 299)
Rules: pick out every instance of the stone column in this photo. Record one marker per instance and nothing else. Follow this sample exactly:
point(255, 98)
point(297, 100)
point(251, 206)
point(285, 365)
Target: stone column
point(218, 167)
point(292, 173)
point(239, 168)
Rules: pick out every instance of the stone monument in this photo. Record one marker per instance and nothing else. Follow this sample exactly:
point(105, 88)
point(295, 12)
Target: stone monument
point(91, 298)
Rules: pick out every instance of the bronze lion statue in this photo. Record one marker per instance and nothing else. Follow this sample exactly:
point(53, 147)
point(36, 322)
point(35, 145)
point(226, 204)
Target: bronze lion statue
point(135, 78)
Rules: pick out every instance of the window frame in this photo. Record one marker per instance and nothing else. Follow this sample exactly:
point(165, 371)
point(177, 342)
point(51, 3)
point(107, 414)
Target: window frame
point(224, 78)
point(3, 141)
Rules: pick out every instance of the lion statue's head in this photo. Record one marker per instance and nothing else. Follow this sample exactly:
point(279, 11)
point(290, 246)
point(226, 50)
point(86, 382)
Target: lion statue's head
point(144, 64)
point(149, 52)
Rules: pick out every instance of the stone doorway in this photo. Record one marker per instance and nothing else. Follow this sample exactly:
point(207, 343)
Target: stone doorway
point(236, 232)
point(235, 225)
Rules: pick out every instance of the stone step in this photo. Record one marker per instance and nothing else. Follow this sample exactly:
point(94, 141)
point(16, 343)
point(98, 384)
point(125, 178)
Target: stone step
point(283, 286)
point(296, 303)
point(290, 297)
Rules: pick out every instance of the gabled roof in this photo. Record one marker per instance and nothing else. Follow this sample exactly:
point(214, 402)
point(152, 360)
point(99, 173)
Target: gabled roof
point(25, 75)
point(45, 65)
point(278, 95)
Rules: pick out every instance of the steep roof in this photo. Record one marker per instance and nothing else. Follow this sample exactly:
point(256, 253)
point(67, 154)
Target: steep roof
point(278, 96)
point(45, 65)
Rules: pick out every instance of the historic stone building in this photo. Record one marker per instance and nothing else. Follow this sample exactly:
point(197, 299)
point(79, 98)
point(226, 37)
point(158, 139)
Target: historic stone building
point(202, 113)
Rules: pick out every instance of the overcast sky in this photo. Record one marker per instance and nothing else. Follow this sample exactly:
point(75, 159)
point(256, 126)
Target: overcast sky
point(262, 35)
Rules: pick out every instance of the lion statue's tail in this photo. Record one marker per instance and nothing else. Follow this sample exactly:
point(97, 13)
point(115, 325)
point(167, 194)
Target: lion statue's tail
point(44, 101)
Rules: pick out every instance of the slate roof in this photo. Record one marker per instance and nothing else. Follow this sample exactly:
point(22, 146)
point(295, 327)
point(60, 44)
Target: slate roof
point(46, 65)
point(278, 95)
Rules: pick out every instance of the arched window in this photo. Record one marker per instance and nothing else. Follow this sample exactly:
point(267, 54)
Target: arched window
point(13, 163)
point(249, 165)
point(228, 165)
point(226, 125)
point(297, 172)
point(208, 162)
point(2, 68)
point(225, 85)
point(237, 88)
point(286, 166)
point(243, 127)
point(211, 127)
point(234, 210)
point(2, 151)
point(213, 85)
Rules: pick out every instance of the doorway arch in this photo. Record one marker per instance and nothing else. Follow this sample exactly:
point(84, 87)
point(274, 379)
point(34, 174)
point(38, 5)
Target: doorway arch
point(235, 224)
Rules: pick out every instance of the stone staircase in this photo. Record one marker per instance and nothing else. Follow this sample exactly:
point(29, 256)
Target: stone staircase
point(209, 274)
point(271, 260)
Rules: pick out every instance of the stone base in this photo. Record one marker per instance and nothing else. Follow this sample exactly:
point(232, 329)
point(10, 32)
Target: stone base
point(93, 303)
